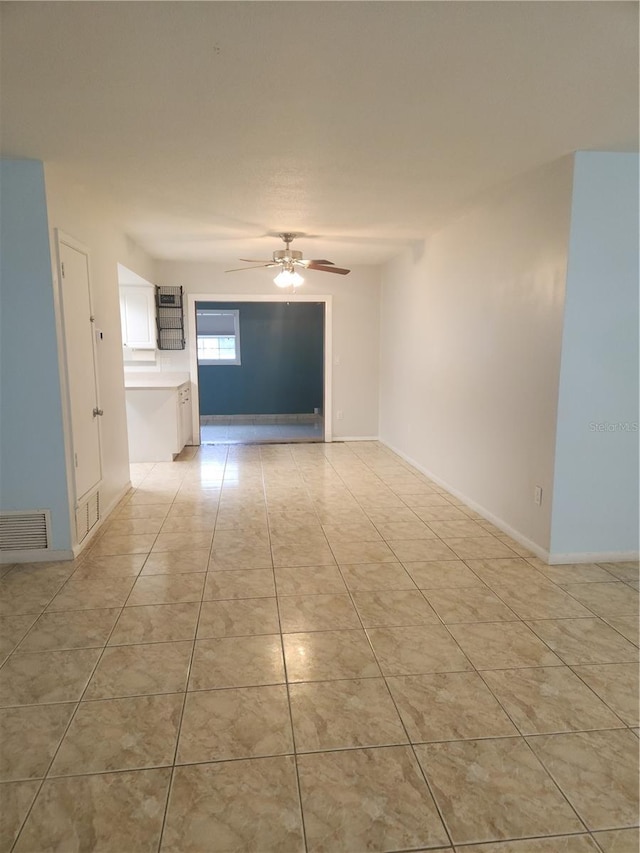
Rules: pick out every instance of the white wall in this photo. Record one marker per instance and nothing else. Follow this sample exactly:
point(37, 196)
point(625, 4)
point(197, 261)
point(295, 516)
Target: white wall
point(94, 222)
point(471, 325)
point(595, 507)
point(355, 330)
point(32, 462)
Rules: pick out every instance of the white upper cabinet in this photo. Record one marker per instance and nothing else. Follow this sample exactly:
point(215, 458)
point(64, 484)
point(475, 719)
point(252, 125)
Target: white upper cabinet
point(138, 316)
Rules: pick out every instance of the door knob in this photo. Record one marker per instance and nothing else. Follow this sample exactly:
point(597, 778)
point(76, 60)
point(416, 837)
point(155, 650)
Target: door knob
point(97, 412)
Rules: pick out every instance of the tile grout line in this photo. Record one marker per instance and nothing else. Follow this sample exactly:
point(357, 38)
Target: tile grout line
point(186, 682)
point(423, 773)
point(520, 735)
point(538, 759)
point(66, 730)
point(288, 689)
point(46, 776)
point(519, 619)
point(186, 687)
point(522, 620)
point(461, 847)
point(542, 734)
point(569, 666)
point(399, 715)
point(169, 785)
point(628, 726)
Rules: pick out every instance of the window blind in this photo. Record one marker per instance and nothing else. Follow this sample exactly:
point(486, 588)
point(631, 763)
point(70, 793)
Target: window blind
point(215, 323)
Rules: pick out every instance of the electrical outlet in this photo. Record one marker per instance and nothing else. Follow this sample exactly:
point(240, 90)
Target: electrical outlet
point(537, 496)
point(339, 415)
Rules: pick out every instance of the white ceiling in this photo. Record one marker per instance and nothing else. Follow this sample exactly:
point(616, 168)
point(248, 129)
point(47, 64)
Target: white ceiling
point(364, 125)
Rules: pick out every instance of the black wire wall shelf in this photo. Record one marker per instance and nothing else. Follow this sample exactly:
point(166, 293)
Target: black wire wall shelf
point(170, 318)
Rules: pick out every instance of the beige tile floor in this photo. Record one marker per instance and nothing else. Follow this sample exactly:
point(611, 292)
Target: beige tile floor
point(313, 647)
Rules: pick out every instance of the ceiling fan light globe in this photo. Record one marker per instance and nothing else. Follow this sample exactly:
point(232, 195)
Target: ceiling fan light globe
point(283, 279)
point(288, 278)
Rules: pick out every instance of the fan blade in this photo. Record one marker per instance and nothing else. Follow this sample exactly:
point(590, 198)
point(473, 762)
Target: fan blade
point(259, 266)
point(255, 261)
point(317, 261)
point(323, 268)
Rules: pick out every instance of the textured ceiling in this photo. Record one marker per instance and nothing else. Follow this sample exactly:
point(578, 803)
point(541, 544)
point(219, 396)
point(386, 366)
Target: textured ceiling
point(364, 125)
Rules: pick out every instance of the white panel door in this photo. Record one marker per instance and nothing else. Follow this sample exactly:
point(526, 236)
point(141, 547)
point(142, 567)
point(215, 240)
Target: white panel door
point(80, 354)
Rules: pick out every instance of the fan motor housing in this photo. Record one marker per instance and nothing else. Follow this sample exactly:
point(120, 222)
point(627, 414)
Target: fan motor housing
point(287, 255)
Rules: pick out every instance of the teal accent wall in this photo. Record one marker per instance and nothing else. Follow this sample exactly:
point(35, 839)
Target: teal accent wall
point(282, 370)
point(32, 459)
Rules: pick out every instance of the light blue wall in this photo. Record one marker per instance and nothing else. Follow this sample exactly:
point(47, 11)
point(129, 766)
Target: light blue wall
point(32, 459)
point(595, 501)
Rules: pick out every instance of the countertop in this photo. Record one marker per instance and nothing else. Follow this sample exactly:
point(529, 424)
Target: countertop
point(154, 381)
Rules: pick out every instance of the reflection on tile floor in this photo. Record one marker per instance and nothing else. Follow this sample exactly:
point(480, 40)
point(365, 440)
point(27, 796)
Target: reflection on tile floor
point(312, 647)
point(256, 433)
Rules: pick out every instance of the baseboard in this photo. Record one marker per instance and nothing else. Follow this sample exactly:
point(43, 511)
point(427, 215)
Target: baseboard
point(546, 556)
point(91, 535)
point(484, 512)
point(355, 438)
point(595, 557)
point(44, 555)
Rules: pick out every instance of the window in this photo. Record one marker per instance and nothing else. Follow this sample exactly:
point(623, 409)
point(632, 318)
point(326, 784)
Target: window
point(216, 348)
point(218, 336)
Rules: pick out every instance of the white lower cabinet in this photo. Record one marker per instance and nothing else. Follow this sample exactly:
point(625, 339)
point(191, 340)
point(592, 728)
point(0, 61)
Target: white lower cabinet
point(184, 403)
point(159, 422)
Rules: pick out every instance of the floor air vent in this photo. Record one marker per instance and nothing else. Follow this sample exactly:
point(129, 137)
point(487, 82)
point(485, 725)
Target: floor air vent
point(87, 514)
point(24, 531)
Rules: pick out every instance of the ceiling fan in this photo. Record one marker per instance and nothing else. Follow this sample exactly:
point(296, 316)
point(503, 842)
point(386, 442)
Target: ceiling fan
point(289, 260)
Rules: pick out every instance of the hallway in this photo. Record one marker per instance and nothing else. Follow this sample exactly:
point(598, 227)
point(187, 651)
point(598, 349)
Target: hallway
point(313, 647)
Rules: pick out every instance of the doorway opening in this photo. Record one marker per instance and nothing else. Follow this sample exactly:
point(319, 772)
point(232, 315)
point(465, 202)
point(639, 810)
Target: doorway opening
point(260, 370)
